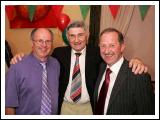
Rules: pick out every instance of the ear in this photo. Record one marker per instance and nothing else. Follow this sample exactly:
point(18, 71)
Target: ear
point(87, 34)
point(123, 47)
point(67, 35)
point(32, 43)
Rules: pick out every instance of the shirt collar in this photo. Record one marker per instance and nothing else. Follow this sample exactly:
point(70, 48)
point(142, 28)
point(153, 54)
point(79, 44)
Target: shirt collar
point(37, 60)
point(116, 67)
point(82, 51)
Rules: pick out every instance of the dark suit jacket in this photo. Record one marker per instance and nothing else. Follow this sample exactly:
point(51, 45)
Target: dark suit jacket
point(8, 53)
point(131, 94)
point(92, 62)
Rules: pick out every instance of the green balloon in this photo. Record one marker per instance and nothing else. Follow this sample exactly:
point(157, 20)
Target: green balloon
point(65, 37)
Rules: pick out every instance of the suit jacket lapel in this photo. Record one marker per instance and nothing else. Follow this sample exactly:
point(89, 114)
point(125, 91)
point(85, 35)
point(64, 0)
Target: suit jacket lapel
point(101, 72)
point(67, 60)
point(119, 81)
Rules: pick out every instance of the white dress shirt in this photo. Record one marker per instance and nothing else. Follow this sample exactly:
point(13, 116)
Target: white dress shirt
point(84, 94)
point(115, 69)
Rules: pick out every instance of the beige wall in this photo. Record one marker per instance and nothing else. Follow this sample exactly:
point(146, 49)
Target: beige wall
point(140, 37)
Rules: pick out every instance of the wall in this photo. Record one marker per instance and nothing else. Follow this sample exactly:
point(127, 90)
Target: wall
point(140, 39)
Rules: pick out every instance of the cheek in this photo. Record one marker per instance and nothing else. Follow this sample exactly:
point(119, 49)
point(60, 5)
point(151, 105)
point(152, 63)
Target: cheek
point(102, 50)
point(117, 50)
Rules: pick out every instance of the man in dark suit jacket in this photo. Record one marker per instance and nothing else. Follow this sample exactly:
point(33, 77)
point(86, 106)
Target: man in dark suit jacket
point(63, 54)
point(77, 35)
point(127, 93)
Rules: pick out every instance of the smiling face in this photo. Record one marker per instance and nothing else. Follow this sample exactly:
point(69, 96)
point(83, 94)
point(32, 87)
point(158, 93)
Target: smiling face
point(41, 43)
point(110, 48)
point(77, 37)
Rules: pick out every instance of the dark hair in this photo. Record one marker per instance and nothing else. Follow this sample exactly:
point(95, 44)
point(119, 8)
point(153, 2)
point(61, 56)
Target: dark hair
point(35, 29)
point(75, 24)
point(120, 35)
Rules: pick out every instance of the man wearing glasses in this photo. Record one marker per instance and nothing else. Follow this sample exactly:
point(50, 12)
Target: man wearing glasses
point(32, 83)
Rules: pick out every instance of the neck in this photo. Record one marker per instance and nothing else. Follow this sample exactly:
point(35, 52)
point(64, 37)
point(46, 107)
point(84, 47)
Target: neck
point(42, 59)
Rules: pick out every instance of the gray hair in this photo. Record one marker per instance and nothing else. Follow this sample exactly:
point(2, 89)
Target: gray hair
point(76, 24)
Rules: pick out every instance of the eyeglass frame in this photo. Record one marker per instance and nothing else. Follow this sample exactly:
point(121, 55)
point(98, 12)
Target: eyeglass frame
point(40, 42)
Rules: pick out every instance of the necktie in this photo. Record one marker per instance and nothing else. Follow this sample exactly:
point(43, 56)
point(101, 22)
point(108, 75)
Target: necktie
point(46, 95)
point(103, 93)
point(76, 85)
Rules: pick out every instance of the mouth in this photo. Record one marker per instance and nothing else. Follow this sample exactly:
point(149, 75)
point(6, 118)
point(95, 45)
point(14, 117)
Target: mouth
point(108, 55)
point(78, 44)
point(43, 50)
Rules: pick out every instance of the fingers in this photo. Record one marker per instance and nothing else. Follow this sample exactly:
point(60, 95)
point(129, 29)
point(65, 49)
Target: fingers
point(140, 69)
point(137, 66)
point(131, 63)
point(13, 60)
point(16, 58)
point(134, 68)
point(145, 69)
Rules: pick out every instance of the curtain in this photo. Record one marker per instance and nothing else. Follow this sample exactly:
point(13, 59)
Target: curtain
point(94, 28)
point(122, 20)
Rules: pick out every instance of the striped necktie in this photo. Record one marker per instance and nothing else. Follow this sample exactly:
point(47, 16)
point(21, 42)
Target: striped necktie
point(76, 85)
point(46, 95)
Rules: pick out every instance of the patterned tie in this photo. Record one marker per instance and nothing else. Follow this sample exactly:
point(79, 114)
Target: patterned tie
point(76, 85)
point(46, 95)
point(103, 93)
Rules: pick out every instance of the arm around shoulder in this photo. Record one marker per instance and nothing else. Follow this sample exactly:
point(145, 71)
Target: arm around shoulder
point(10, 111)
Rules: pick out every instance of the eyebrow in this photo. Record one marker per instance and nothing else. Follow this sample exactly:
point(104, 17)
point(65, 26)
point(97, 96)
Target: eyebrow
point(76, 34)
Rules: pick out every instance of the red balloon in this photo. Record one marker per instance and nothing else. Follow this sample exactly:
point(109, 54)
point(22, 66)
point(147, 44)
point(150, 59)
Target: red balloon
point(62, 21)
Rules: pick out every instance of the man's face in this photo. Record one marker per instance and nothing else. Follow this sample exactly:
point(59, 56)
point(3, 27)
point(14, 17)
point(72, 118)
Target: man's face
point(110, 48)
point(42, 44)
point(77, 38)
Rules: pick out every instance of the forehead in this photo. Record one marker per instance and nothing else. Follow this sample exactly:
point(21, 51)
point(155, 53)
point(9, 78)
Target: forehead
point(76, 30)
point(109, 37)
point(42, 33)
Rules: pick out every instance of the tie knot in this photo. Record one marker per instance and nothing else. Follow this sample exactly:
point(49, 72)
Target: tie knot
point(78, 54)
point(43, 65)
point(108, 71)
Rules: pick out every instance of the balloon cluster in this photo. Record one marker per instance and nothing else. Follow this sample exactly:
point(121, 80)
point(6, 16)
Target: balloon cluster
point(62, 22)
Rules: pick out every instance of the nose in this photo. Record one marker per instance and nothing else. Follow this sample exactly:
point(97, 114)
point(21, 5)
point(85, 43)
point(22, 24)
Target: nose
point(76, 38)
point(106, 50)
point(44, 43)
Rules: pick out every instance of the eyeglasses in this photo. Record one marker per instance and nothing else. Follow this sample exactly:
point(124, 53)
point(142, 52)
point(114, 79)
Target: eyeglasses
point(40, 42)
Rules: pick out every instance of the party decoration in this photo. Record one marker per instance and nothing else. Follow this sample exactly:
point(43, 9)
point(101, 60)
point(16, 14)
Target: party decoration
point(33, 16)
point(65, 37)
point(11, 12)
point(143, 10)
point(84, 10)
point(31, 9)
point(114, 10)
point(63, 21)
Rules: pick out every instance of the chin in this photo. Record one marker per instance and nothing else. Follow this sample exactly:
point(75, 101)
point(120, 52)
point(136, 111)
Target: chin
point(109, 62)
point(77, 49)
